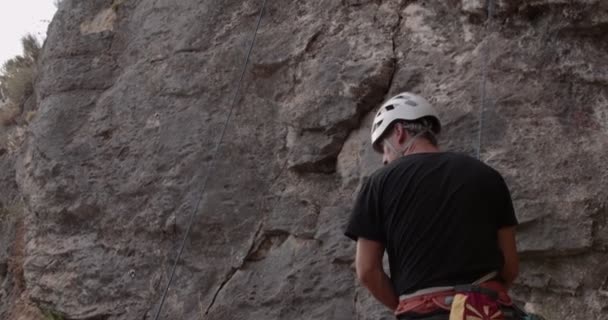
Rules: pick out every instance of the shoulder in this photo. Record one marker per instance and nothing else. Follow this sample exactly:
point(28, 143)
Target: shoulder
point(471, 163)
point(481, 173)
point(382, 174)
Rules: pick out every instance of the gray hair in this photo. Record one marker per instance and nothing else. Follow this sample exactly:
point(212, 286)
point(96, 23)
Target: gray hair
point(421, 127)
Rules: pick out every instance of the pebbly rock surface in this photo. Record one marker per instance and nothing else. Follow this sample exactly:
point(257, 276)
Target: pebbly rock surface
point(133, 95)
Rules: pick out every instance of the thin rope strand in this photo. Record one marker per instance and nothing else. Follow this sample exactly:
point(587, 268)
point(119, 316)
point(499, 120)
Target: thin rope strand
point(211, 163)
point(484, 70)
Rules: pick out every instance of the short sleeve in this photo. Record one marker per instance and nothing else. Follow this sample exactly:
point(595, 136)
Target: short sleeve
point(366, 218)
point(506, 214)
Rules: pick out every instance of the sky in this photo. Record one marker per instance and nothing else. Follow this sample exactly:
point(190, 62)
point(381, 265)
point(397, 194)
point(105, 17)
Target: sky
point(20, 17)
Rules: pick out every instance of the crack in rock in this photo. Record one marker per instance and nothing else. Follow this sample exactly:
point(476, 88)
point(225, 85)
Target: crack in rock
point(233, 270)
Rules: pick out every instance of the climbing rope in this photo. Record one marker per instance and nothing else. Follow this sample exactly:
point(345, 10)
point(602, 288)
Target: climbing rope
point(484, 75)
point(211, 165)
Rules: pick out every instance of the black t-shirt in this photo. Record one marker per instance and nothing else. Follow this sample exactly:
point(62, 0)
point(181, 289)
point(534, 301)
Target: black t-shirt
point(437, 215)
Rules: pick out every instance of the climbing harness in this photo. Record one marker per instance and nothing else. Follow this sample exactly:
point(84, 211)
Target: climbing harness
point(485, 292)
point(211, 165)
point(488, 300)
point(484, 75)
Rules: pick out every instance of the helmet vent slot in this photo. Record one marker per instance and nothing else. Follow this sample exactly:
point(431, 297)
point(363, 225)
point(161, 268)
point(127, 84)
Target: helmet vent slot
point(389, 107)
point(377, 125)
point(411, 103)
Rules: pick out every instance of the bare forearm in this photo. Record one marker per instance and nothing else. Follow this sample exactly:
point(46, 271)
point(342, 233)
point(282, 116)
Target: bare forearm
point(381, 288)
point(371, 274)
point(508, 276)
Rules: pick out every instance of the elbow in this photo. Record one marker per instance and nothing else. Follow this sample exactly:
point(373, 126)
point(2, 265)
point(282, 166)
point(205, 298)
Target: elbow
point(513, 273)
point(510, 272)
point(368, 262)
point(510, 275)
point(366, 276)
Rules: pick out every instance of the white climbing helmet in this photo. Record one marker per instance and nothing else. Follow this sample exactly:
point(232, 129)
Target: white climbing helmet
point(404, 106)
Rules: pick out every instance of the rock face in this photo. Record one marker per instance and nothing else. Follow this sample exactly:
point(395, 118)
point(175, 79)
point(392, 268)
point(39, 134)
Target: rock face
point(133, 96)
point(14, 302)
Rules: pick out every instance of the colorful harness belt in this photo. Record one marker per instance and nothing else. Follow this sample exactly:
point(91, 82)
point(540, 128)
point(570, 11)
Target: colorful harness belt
point(479, 300)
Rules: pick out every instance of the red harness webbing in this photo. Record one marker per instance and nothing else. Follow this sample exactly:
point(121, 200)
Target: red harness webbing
point(442, 300)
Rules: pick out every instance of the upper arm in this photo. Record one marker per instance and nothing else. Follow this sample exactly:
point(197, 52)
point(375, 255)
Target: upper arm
point(366, 219)
point(369, 257)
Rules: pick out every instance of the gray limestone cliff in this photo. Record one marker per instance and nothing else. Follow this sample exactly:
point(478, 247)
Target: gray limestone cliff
point(132, 96)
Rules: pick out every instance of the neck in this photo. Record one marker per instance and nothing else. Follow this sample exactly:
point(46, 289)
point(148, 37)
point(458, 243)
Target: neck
point(421, 146)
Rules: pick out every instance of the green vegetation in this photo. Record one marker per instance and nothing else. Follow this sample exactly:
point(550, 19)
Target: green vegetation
point(116, 4)
point(4, 212)
point(29, 116)
point(7, 213)
point(17, 80)
point(8, 113)
point(51, 315)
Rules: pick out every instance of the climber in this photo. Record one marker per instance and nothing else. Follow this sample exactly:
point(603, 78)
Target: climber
point(445, 220)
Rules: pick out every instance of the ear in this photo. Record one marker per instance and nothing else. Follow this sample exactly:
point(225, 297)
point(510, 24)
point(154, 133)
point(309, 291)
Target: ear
point(402, 134)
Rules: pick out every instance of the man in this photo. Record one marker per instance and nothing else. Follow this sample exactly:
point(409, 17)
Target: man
point(444, 219)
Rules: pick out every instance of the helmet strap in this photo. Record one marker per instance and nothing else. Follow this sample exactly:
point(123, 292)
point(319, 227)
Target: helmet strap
point(406, 148)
